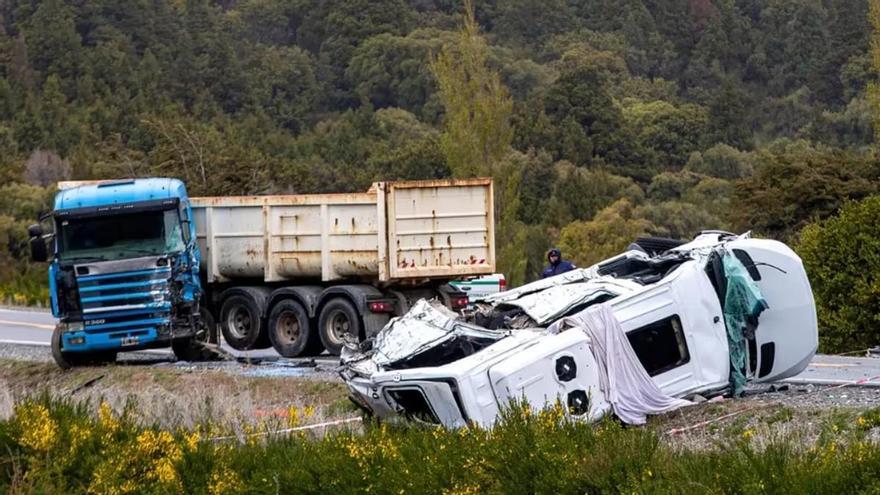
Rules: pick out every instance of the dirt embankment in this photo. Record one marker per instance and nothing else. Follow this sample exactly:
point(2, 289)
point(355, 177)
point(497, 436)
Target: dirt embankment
point(173, 396)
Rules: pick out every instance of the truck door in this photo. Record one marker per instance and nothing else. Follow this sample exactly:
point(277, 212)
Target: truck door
point(787, 335)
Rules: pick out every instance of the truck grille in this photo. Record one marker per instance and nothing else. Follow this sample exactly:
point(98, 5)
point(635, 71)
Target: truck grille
point(125, 301)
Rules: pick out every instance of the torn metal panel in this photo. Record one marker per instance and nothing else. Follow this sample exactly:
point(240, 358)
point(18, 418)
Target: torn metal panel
point(574, 276)
point(578, 275)
point(556, 301)
point(426, 326)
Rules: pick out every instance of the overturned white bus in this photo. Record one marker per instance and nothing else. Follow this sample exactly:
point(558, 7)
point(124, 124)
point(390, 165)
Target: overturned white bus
point(703, 317)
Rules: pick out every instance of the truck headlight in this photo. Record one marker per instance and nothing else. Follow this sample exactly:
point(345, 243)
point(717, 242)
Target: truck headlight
point(76, 326)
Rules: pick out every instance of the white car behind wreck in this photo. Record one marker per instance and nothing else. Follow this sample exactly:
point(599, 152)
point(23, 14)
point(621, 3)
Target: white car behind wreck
point(532, 344)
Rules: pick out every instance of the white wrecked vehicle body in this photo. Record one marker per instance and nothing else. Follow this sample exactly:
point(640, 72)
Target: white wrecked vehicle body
point(675, 310)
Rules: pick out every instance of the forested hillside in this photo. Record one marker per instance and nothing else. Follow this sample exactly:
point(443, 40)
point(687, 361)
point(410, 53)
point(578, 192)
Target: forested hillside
point(626, 117)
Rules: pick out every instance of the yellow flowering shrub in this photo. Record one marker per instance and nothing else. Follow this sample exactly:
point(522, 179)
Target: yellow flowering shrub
point(224, 481)
point(38, 430)
point(63, 448)
point(149, 461)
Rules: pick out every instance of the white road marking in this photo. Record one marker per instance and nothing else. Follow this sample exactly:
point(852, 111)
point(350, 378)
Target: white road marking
point(24, 342)
point(27, 324)
point(47, 344)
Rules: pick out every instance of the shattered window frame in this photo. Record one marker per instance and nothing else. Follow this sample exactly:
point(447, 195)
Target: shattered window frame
point(427, 415)
point(661, 328)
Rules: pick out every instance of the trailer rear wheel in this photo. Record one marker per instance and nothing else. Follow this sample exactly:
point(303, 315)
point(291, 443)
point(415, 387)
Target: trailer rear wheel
point(240, 323)
point(338, 319)
point(290, 332)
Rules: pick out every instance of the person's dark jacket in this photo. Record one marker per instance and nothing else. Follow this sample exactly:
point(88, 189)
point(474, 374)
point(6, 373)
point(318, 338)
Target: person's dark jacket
point(561, 266)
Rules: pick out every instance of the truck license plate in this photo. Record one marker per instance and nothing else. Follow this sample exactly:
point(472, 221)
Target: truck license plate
point(129, 340)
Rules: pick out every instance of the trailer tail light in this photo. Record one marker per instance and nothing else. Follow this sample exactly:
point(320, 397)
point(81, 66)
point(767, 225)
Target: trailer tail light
point(381, 307)
point(502, 284)
point(459, 302)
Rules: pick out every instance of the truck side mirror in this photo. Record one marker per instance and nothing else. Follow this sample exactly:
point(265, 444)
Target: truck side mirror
point(35, 230)
point(185, 223)
point(39, 252)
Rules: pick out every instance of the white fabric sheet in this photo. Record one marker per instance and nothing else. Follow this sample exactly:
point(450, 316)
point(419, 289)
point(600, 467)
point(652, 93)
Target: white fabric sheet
point(627, 386)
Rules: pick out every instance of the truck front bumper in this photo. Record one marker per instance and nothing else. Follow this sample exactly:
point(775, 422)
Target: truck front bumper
point(122, 340)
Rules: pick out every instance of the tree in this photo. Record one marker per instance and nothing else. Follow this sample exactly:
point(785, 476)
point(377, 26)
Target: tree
point(527, 23)
point(677, 219)
point(722, 49)
point(334, 30)
point(579, 193)
point(721, 161)
point(794, 41)
point(728, 118)
point(842, 259)
point(668, 134)
point(477, 131)
point(849, 38)
point(48, 121)
point(607, 234)
point(390, 71)
point(874, 87)
point(53, 43)
point(796, 182)
point(45, 168)
point(281, 82)
point(587, 121)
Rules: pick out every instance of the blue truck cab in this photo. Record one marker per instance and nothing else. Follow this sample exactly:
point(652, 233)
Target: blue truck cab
point(123, 271)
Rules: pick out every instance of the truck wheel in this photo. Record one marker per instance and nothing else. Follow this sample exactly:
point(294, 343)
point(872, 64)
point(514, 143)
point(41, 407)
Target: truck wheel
point(67, 360)
point(191, 348)
point(290, 332)
point(240, 323)
point(338, 318)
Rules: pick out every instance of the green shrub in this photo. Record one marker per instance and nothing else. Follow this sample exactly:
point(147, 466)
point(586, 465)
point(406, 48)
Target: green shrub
point(23, 284)
point(63, 447)
point(842, 259)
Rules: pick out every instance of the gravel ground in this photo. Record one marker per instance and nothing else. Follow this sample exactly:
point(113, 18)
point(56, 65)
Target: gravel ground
point(801, 412)
point(25, 352)
point(43, 354)
point(305, 368)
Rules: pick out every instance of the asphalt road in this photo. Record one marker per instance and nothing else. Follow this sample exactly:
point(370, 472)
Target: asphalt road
point(19, 326)
point(34, 327)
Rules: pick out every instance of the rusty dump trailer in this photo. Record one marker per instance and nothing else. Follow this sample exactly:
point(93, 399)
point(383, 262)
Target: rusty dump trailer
point(304, 272)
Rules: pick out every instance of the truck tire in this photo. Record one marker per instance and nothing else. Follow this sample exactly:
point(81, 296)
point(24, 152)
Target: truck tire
point(240, 323)
point(290, 331)
point(191, 348)
point(338, 318)
point(67, 360)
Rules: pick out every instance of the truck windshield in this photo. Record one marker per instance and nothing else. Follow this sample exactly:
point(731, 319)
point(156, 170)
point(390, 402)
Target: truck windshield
point(120, 236)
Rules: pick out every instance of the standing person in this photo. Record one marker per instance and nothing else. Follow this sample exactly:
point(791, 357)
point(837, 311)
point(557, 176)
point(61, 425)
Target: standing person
point(557, 264)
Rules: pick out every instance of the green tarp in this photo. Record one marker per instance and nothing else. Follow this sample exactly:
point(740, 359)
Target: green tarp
point(743, 303)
